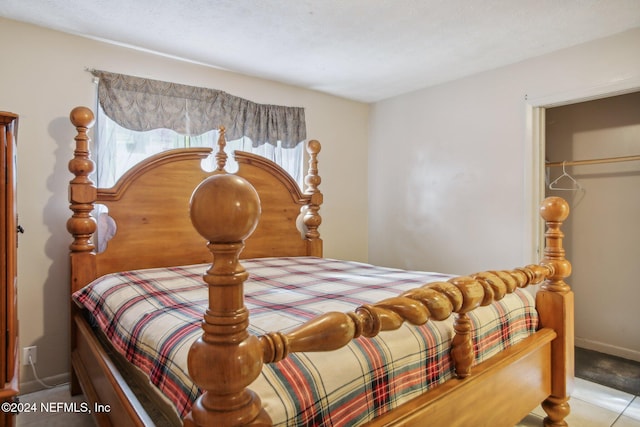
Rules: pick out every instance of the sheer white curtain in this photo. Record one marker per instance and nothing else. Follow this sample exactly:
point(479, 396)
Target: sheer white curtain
point(290, 159)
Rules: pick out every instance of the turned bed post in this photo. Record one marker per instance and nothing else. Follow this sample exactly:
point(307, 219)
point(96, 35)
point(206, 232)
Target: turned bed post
point(81, 225)
point(82, 196)
point(226, 359)
point(555, 305)
point(312, 219)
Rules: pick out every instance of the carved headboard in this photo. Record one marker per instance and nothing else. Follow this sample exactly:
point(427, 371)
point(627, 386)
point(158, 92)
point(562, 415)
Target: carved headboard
point(150, 208)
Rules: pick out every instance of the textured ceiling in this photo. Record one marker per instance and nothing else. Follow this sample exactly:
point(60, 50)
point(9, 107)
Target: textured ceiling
point(364, 50)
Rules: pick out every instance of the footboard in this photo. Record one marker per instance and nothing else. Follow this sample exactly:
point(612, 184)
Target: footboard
point(498, 392)
point(225, 210)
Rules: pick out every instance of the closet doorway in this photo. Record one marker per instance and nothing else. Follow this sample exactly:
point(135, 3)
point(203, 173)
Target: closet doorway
point(593, 149)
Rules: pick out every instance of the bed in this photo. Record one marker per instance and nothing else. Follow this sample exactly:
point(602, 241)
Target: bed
point(274, 333)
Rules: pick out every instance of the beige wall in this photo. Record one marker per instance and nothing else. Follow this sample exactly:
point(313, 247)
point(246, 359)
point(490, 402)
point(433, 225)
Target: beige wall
point(462, 153)
point(43, 78)
point(604, 229)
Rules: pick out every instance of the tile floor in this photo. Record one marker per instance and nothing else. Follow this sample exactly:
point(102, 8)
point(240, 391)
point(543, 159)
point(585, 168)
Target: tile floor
point(592, 405)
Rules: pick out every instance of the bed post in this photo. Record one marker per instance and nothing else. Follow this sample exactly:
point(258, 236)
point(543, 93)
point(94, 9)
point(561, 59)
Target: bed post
point(555, 306)
point(226, 359)
point(312, 219)
point(82, 196)
point(81, 225)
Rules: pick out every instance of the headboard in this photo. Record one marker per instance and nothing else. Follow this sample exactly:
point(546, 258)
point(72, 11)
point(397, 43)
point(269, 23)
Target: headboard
point(150, 208)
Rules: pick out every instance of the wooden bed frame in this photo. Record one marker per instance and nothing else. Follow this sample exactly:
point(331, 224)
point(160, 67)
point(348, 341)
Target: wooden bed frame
point(259, 211)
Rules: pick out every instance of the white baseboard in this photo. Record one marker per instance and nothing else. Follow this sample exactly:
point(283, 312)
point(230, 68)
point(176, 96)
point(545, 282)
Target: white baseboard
point(625, 353)
point(33, 386)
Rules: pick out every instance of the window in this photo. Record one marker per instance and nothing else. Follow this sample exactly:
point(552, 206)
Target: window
point(118, 149)
point(139, 117)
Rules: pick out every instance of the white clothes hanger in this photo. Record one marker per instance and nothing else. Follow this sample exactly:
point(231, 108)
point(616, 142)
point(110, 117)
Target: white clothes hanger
point(573, 185)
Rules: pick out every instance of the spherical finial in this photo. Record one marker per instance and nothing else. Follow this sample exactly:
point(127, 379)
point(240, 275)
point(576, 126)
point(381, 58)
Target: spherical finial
point(554, 209)
point(313, 146)
point(82, 117)
point(225, 208)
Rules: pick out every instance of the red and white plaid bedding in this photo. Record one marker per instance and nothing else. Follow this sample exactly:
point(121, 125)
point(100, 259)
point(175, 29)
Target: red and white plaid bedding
point(152, 317)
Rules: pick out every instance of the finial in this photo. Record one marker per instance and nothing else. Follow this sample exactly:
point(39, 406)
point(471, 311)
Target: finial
point(554, 209)
point(221, 156)
point(225, 208)
point(82, 117)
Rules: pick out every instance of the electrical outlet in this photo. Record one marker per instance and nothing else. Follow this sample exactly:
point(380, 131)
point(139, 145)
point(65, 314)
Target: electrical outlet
point(29, 351)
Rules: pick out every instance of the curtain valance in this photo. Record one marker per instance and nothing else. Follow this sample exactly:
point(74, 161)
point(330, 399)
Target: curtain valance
point(142, 104)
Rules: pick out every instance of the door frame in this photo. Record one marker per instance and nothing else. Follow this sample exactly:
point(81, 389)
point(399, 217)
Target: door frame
point(535, 108)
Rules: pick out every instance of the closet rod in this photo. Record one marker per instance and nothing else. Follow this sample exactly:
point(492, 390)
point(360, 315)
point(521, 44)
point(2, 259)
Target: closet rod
point(593, 161)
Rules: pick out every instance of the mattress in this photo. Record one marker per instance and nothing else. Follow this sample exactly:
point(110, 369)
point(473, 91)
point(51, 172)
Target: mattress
point(153, 316)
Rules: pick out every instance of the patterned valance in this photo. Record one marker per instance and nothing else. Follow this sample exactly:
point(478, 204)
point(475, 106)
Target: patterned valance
point(142, 104)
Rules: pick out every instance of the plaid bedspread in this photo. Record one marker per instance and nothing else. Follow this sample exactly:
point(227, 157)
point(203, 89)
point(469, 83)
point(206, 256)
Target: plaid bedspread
point(152, 317)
